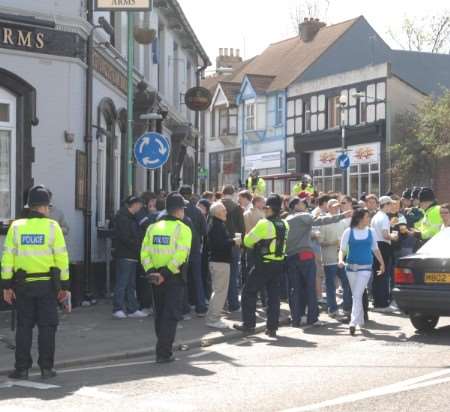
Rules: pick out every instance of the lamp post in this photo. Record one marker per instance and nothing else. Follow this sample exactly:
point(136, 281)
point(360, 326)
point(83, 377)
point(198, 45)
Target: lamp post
point(343, 101)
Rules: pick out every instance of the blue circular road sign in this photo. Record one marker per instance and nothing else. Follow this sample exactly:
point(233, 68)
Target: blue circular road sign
point(343, 161)
point(152, 150)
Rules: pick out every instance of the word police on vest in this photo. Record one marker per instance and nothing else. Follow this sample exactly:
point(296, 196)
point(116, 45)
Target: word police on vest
point(32, 239)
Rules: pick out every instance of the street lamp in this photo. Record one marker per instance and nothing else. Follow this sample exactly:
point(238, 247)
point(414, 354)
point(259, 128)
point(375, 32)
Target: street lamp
point(343, 102)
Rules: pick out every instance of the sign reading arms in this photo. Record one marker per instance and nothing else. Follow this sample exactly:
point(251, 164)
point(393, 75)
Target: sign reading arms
point(124, 5)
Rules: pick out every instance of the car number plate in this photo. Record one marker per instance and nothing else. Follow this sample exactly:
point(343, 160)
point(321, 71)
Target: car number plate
point(437, 277)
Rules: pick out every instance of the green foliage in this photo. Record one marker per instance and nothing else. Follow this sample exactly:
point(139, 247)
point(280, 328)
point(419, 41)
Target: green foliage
point(422, 140)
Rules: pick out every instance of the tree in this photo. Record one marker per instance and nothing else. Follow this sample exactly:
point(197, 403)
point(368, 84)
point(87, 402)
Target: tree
point(422, 143)
point(424, 34)
point(309, 9)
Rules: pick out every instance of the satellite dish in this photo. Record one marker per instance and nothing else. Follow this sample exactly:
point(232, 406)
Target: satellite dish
point(144, 35)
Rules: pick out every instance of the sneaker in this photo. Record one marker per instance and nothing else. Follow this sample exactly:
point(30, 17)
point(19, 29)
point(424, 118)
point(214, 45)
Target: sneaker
point(217, 325)
point(147, 311)
point(201, 314)
point(168, 359)
point(271, 333)
point(318, 323)
point(187, 317)
point(137, 314)
point(120, 314)
point(303, 321)
point(334, 314)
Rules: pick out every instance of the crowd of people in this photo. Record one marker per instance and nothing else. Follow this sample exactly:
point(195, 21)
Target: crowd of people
point(335, 253)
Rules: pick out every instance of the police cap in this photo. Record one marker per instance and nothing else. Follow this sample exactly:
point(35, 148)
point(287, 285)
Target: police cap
point(407, 194)
point(39, 196)
point(426, 195)
point(274, 201)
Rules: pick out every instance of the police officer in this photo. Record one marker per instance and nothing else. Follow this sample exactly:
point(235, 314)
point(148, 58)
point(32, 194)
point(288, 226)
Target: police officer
point(268, 239)
point(256, 184)
point(431, 222)
point(164, 251)
point(304, 186)
point(35, 273)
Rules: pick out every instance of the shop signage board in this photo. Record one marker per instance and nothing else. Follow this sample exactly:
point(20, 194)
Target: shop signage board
point(269, 160)
point(198, 99)
point(152, 150)
point(358, 154)
point(123, 5)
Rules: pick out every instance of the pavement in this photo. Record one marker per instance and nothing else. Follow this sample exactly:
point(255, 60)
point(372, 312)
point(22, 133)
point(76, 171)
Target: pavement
point(91, 334)
point(386, 367)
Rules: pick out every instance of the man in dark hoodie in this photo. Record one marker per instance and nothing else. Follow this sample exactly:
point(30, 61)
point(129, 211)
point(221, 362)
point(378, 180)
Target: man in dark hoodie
point(127, 244)
point(199, 230)
point(235, 224)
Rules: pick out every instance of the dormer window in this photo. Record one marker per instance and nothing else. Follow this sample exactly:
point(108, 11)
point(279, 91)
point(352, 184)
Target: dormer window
point(250, 116)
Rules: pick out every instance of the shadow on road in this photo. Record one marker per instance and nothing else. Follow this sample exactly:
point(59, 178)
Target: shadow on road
point(71, 380)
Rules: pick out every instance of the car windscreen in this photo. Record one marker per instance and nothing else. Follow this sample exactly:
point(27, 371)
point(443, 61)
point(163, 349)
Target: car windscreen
point(437, 246)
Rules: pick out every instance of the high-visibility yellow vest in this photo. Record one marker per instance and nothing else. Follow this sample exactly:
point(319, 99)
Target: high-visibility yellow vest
point(431, 222)
point(167, 244)
point(258, 188)
point(265, 231)
point(34, 245)
point(297, 189)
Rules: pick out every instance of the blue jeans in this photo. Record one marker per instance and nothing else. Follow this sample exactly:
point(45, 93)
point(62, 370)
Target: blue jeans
point(125, 289)
point(331, 271)
point(233, 288)
point(302, 289)
point(196, 279)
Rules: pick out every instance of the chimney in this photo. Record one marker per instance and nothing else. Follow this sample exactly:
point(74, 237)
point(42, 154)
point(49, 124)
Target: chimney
point(309, 28)
point(228, 58)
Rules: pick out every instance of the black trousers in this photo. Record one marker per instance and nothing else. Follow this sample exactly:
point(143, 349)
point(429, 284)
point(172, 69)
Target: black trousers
point(36, 305)
point(262, 276)
point(168, 311)
point(380, 284)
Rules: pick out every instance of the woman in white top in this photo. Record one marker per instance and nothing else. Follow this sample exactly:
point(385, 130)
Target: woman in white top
point(359, 244)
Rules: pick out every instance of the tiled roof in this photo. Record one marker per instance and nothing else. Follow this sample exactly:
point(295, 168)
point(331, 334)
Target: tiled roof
point(288, 59)
point(231, 90)
point(259, 82)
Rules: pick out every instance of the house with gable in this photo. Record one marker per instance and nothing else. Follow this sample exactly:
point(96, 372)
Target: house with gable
point(361, 84)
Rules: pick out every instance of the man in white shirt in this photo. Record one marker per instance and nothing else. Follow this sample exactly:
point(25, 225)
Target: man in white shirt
point(382, 228)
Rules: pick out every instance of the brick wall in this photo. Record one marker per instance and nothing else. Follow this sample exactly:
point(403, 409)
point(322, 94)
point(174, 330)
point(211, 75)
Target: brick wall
point(442, 181)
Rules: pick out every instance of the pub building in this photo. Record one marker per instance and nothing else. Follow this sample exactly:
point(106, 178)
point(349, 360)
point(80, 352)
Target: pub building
point(57, 131)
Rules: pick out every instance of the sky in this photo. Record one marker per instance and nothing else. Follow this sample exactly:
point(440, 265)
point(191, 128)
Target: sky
point(251, 25)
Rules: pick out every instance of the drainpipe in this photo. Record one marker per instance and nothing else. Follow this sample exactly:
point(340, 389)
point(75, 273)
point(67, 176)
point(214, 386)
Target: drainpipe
point(198, 75)
point(88, 149)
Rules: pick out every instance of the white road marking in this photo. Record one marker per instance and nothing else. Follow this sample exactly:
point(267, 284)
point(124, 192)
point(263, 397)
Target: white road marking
point(199, 355)
point(29, 384)
point(92, 368)
point(97, 394)
point(407, 385)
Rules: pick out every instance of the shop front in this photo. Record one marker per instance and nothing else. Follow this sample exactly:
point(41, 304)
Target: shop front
point(363, 174)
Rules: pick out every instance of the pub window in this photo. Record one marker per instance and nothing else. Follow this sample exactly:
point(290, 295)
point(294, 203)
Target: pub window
point(314, 113)
point(334, 112)
point(7, 155)
point(108, 163)
point(372, 106)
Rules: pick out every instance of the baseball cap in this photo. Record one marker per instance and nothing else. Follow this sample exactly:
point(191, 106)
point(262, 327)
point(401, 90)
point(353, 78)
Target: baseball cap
point(384, 200)
point(130, 200)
